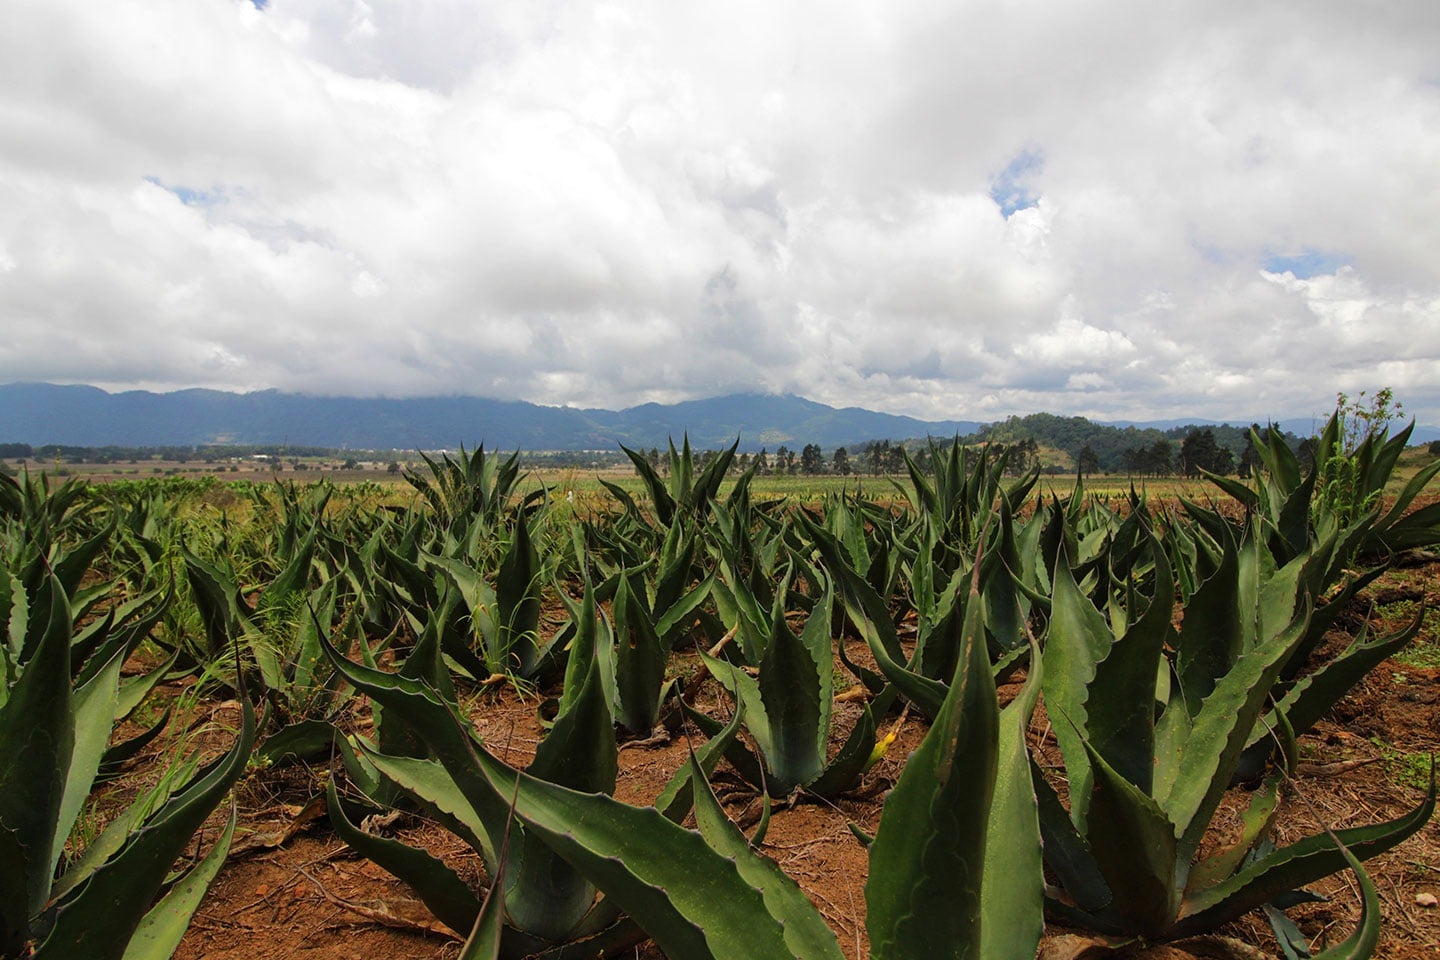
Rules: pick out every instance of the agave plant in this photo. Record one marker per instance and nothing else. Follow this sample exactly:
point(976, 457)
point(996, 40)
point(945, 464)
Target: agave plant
point(1151, 743)
point(788, 703)
point(502, 610)
point(957, 505)
point(686, 493)
point(872, 543)
point(1342, 490)
point(547, 904)
point(942, 608)
point(1233, 572)
point(230, 621)
point(469, 493)
point(955, 866)
point(53, 736)
point(54, 534)
point(46, 515)
point(655, 604)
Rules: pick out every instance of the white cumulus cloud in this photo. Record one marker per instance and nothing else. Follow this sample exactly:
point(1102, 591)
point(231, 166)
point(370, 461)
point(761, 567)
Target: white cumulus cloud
point(944, 209)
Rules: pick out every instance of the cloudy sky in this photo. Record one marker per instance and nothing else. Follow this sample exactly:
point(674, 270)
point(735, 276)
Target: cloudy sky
point(968, 208)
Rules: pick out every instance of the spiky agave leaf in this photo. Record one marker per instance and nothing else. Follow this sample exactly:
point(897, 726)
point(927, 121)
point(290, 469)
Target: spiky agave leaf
point(923, 895)
point(1013, 894)
point(640, 660)
point(698, 896)
point(695, 902)
point(37, 737)
point(544, 897)
point(98, 918)
point(163, 927)
point(1295, 865)
point(782, 709)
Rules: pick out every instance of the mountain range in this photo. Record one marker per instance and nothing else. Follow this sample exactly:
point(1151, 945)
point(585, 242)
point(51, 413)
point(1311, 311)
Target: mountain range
point(73, 415)
point(42, 413)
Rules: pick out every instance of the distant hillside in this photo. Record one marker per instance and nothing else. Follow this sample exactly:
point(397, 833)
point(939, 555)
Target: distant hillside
point(1299, 426)
point(38, 413)
point(1109, 442)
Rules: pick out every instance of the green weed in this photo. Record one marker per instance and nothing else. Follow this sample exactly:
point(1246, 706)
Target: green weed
point(1411, 769)
point(1424, 651)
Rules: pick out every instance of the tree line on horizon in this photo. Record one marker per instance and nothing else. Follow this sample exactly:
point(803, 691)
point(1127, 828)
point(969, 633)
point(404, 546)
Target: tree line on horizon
point(1034, 440)
point(1092, 449)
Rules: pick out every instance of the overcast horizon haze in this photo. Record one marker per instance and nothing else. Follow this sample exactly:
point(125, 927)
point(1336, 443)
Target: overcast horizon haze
point(959, 210)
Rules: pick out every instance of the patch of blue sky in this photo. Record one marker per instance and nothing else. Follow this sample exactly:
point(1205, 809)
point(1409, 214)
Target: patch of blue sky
point(1307, 263)
point(188, 196)
point(260, 4)
point(1011, 187)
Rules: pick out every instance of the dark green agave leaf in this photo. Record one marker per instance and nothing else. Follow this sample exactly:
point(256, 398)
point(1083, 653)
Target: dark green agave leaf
point(923, 894)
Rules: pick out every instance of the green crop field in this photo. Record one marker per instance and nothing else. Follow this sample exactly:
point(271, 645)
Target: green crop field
point(1020, 709)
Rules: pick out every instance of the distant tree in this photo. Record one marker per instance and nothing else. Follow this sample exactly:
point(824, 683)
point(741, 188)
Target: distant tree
point(840, 462)
point(1199, 451)
point(1024, 455)
point(812, 461)
point(876, 454)
point(895, 459)
point(1224, 462)
point(762, 461)
point(1086, 462)
point(351, 464)
point(392, 467)
point(1433, 448)
point(1159, 459)
point(783, 456)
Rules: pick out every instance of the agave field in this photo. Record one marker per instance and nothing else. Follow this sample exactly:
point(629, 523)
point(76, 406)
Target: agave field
point(474, 718)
